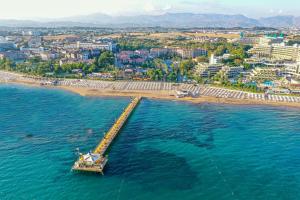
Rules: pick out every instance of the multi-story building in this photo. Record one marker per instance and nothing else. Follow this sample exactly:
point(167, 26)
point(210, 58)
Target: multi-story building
point(13, 55)
point(261, 51)
point(269, 40)
point(205, 70)
point(232, 72)
point(248, 40)
point(70, 46)
point(102, 46)
point(70, 54)
point(267, 48)
point(6, 45)
point(31, 33)
point(283, 52)
point(142, 52)
point(81, 54)
point(158, 52)
point(35, 42)
point(261, 74)
point(31, 51)
point(132, 57)
point(48, 55)
point(213, 60)
point(72, 61)
point(198, 52)
point(84, 55)
point(293, 70)
point(191, 53)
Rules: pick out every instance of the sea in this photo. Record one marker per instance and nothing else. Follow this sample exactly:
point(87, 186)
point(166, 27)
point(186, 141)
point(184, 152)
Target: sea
point(167, 149)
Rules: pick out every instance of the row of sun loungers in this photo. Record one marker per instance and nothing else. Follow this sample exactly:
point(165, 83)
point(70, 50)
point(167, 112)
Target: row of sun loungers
point(121, 85)
point(155, 86)
point(226, 93)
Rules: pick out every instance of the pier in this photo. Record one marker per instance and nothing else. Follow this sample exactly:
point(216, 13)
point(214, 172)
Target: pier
point(96, 160)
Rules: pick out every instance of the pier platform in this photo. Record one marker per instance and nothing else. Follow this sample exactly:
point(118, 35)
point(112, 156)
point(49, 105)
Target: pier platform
point(96, 160)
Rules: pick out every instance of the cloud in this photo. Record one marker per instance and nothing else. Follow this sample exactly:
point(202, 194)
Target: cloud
point(152, 8)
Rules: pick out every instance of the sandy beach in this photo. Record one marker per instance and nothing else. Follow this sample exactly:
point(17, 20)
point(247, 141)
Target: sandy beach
point(167, 96)
point(153, 94)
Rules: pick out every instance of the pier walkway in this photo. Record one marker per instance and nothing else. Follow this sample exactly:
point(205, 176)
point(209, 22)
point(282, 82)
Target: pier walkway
point(111, 134)
point(95, 161)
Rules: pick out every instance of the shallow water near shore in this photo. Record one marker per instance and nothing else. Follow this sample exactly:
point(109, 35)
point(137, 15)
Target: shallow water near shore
point(167, 150)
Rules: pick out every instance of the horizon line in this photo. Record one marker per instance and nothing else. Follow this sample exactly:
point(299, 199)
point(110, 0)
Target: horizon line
point(43, 19)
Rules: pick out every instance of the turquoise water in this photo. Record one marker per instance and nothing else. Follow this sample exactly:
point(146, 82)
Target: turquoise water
point(167, 150)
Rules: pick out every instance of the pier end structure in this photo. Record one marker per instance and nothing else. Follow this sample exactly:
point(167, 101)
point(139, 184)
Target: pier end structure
point(96, 160)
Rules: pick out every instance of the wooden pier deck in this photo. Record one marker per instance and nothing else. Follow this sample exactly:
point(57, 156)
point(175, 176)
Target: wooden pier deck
point(111, 134)
point(96, 160)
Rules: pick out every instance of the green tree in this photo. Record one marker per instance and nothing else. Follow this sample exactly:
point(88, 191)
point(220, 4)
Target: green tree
point(155, 74)
point(187, 66)
point(105, 59)
point(172, 76)
point(151, 73)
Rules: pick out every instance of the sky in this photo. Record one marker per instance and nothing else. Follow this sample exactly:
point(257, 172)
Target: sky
point(51, 9)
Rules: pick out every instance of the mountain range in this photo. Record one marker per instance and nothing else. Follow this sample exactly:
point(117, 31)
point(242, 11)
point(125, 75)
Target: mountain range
point(170, 20)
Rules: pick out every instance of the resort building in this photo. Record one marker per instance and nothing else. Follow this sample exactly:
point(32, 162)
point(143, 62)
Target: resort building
point(191, 53)
point(260, 74)
point(272, 49)
point(81, 54)
point(293, 70)
point(132, 57)
point(261, 51)
point(213, 60)
point(205, 70)
point(232, 72)
point(283, 52)
point(158, 52)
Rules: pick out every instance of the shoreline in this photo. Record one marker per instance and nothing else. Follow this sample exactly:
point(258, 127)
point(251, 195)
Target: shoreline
point(161, 95)
point(153, 95)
